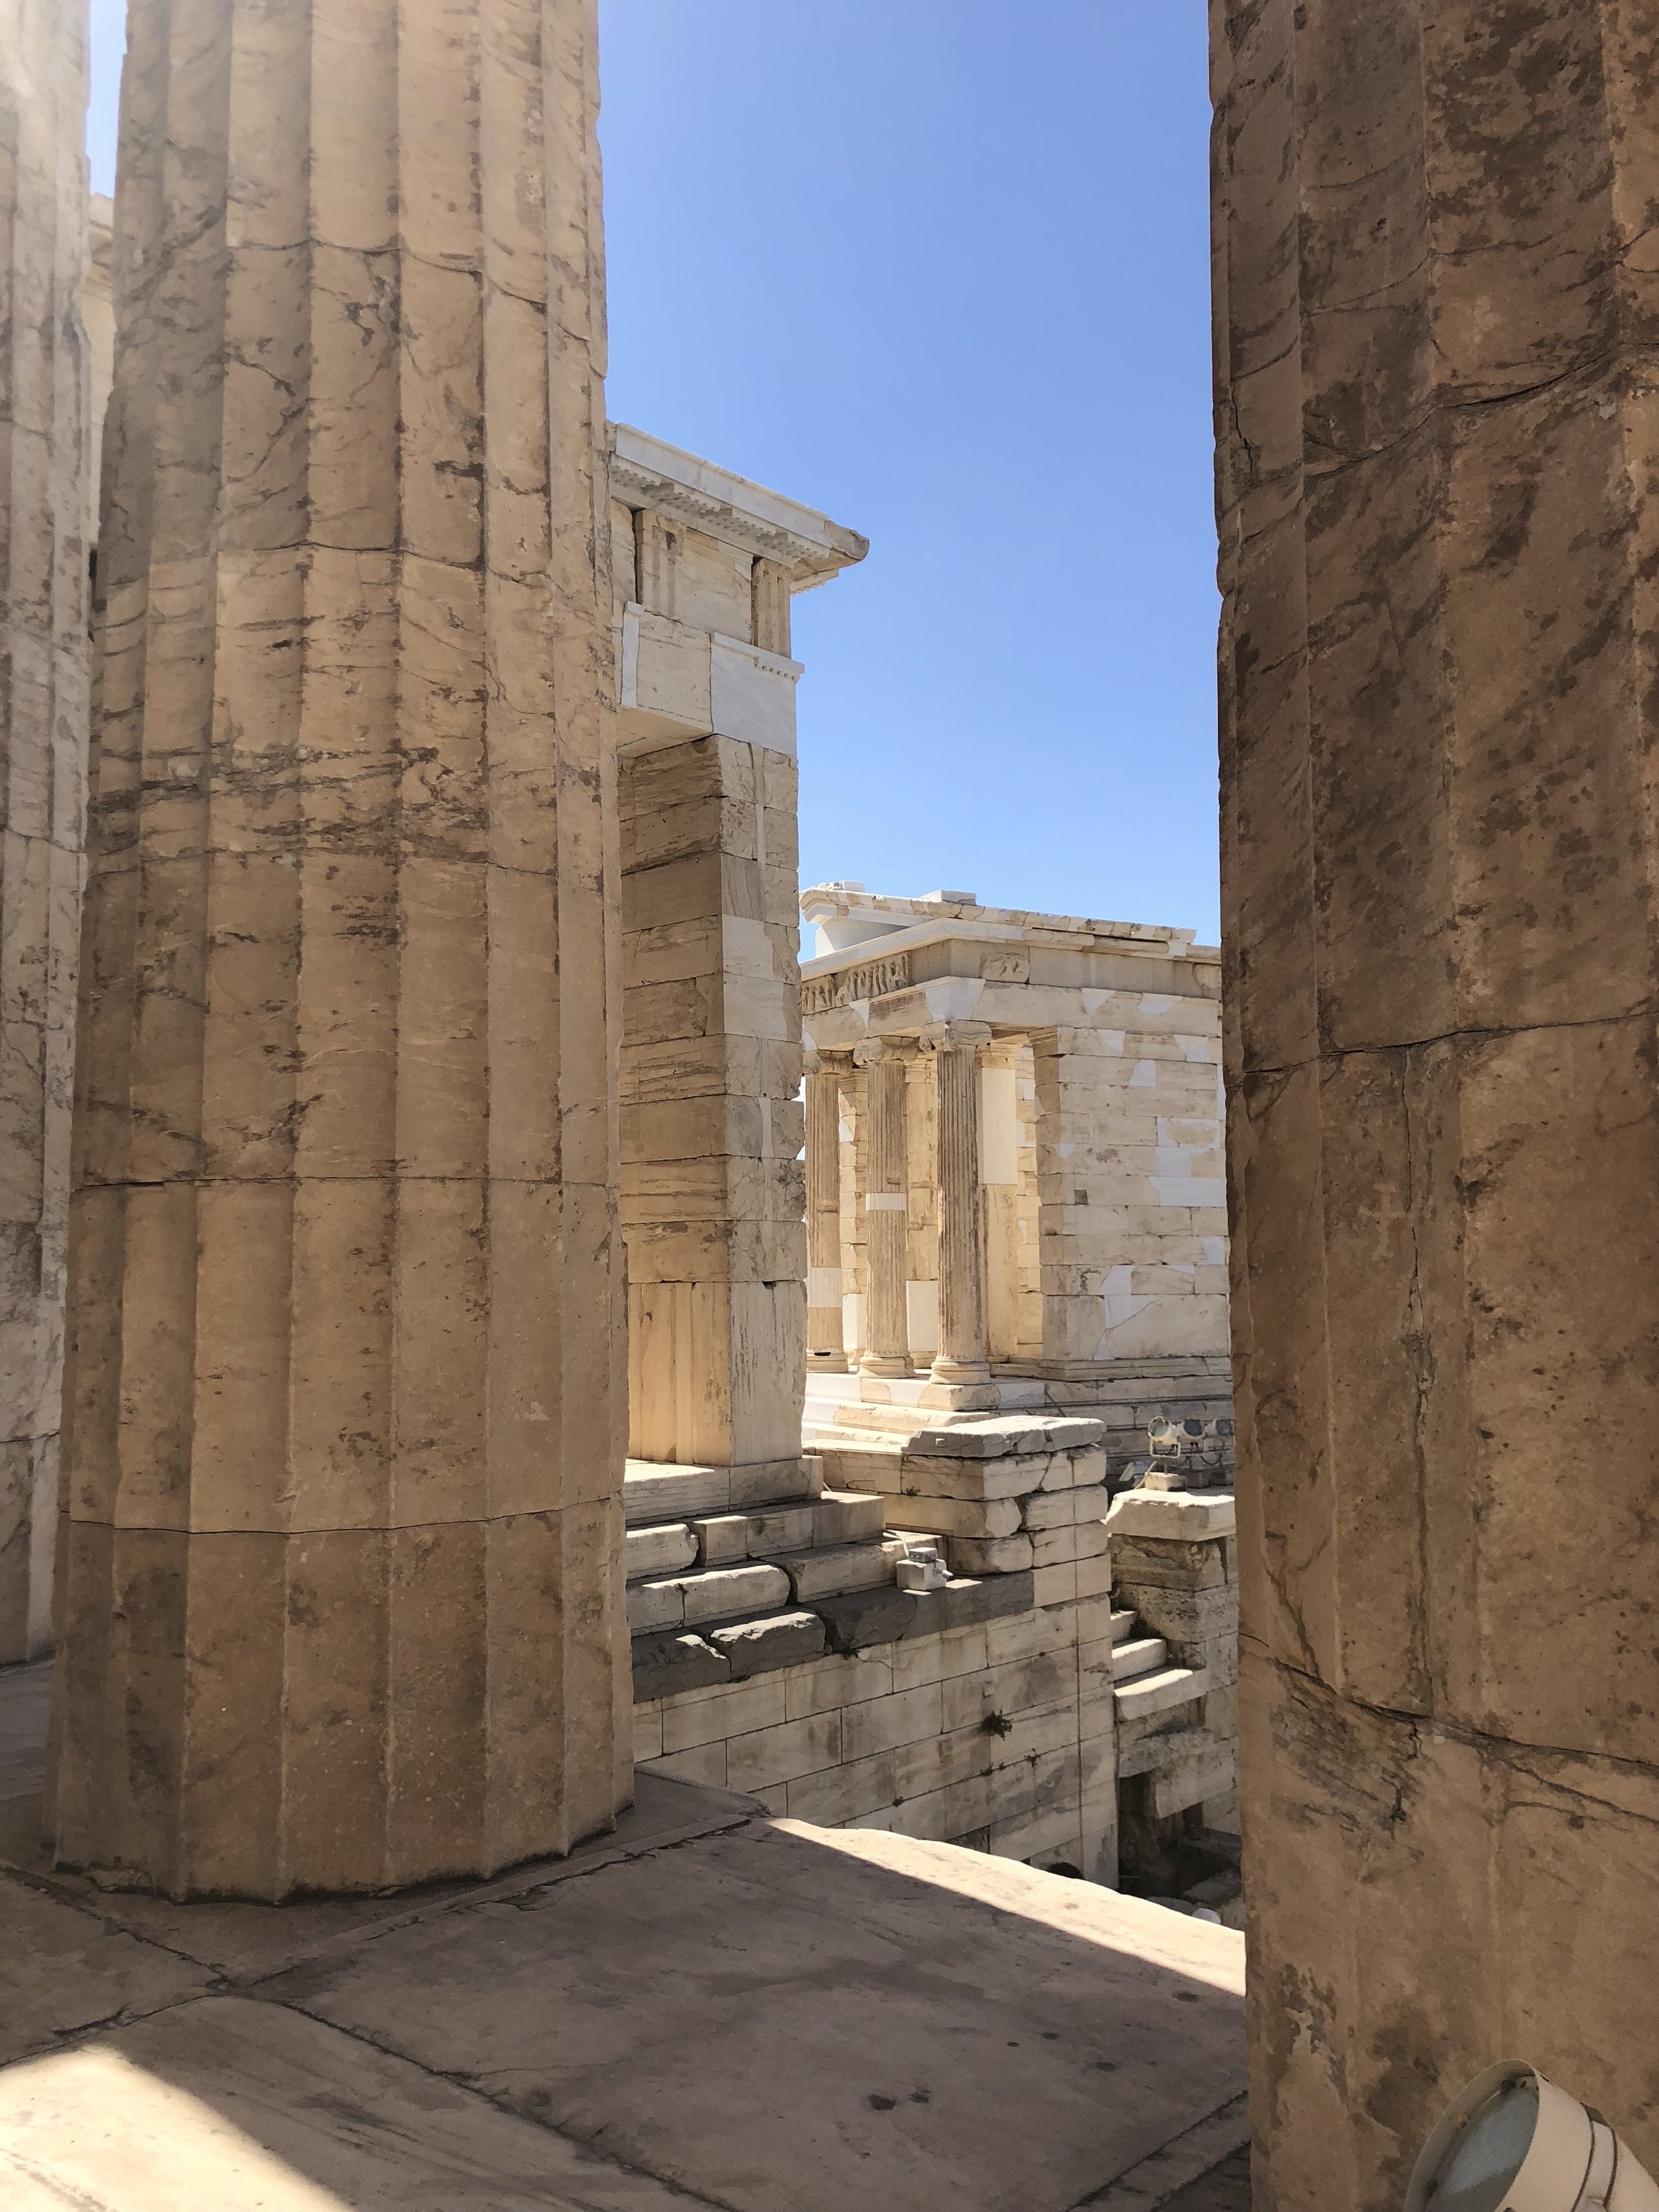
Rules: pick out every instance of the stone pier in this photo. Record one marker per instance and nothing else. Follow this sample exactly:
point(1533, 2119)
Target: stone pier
point(1438, 423)
point(711, 1126)
point(340, 1594)
point(43, 727)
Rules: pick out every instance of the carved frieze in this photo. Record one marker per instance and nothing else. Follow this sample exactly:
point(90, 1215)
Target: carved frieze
point(873, 979)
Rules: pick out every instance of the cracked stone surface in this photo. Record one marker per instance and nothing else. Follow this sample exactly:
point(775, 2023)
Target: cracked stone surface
point(1437, 412)
point(341, 1604)
point(705, 2007)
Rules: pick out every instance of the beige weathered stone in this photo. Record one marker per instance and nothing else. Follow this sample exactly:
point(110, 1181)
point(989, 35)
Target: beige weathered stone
point(885, 1207)
point(341, 1590)
point(44, 416)
point(825, 1320)
point(711, 1198)
point(1437, 431)
point(1092, 1241)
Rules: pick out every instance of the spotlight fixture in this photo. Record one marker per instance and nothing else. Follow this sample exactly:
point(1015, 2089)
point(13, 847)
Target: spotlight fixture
point(1514, 2143)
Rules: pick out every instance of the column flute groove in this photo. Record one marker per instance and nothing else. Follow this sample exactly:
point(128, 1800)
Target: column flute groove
point(340, 1602)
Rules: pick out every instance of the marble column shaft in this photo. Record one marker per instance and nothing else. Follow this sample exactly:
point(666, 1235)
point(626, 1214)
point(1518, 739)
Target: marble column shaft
point(825, 1341)
point(886, 1211)
point(340, 1601)
point(955, 1053)
point(1437, 451)
point(43, 729)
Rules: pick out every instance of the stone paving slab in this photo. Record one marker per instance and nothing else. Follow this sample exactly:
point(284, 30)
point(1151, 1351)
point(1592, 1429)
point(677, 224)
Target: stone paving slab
point(786, 2019)
point(230, 2106)
point(707, 2008)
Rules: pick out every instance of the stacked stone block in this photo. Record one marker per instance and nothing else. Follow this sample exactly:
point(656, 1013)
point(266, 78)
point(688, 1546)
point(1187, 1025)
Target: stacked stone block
point(711, 1128)
point(997, 1734)
point(1000, 1496)
point(1175, 1570)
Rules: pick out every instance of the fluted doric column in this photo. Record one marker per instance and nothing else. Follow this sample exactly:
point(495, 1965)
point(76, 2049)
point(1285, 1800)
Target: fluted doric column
point(340, 1590)
point(42, 732)
point(960, 1364)
point(826, 1349)
point(886, 1351)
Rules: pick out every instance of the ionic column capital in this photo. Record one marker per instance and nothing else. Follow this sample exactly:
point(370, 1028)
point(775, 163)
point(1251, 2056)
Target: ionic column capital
point(953, 1036)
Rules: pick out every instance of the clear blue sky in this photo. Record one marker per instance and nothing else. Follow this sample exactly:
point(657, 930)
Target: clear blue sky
point(940, 267)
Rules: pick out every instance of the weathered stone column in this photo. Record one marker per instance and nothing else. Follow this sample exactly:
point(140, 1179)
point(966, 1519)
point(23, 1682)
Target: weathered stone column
point(825, 1345)
point(960, 1369)
point(340, 1587)
point(886, 1352)
point(999, 1168)
point(1437, 425)
point(42, 728)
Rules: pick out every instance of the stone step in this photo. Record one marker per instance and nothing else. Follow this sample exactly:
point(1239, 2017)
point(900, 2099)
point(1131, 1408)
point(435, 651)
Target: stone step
point(1160, 1693)
point(654, 1492)
point(837, 1518)
point(1124, 1626)
point(1137, 1656)
point(717, 1594)
point(831, 1569)
point(666, 1547)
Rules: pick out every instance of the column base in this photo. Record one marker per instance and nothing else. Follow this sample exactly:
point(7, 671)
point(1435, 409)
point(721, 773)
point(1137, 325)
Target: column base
point(885, 1367)
point(961, 1397)
point(827, 1362)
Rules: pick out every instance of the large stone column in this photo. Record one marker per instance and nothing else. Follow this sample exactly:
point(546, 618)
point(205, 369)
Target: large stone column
point(825, 1330)
point(1437, 422)
point(42, 728)
point(886, 1351)
point(960, 1376)
point(340, 1594)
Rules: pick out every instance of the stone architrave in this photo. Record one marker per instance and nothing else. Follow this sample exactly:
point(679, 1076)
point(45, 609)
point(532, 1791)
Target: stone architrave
point(340, 1594)
point(43, 727)
point(1437, 437)
point(886, 1351)
point(960, 1367)
point(825, 1328)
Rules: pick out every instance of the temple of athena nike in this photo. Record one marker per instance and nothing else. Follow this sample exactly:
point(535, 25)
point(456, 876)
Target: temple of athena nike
point(666, 1541)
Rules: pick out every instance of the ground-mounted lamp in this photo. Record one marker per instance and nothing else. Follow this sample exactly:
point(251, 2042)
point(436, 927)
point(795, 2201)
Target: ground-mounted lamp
point(1514, 2143)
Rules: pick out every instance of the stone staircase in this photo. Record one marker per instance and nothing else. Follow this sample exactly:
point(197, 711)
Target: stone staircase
point(1143, 1682)
point(740, 1574)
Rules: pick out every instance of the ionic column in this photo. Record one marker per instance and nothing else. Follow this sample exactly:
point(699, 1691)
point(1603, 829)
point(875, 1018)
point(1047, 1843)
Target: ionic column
point(886, 1351)
point(825, 1345)
point(960, 1363)
point(43, 742)
point(998, 1169)
point(340, 1589)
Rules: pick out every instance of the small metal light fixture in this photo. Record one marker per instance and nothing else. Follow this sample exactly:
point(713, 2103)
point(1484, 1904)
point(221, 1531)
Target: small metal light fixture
point(1514, 2143)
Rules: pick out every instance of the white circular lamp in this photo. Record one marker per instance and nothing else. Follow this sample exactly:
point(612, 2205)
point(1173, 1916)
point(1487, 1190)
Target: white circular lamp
point(1514, 2143)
